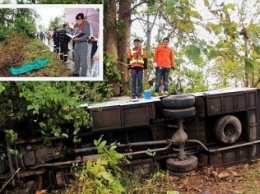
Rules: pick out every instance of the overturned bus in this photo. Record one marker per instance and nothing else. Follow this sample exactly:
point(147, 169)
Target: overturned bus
point(183, 132)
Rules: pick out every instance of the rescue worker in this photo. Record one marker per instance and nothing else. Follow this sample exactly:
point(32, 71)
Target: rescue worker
point(80, 50)
point(56, 42)
point(137, 62)
point(42, 37)
point(163, 61)
point(64, 43)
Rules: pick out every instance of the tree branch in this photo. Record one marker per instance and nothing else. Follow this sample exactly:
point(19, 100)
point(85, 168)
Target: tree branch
point(138, 4)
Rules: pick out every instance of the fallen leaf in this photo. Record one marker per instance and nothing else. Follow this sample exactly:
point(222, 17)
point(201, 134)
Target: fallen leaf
point(40, 191)
point(234, 173)
point(215, 173)
point(223, 175)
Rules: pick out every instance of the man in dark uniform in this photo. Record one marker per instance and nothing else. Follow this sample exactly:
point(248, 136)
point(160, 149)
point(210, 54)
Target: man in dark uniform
point(64, 41)
point(80, 51)
point(56, 41)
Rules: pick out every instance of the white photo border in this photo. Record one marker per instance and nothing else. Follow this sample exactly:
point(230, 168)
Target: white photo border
point(47, 6)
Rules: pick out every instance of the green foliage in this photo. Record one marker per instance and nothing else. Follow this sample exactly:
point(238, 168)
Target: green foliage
point(49, 107)
point(10, 135)
point(195, 79)
point(159, 182)
point(109, 69)
point(236, 48)
point(249, 66)
point(3, 33)
point(101, 175)
point(150, 153)
point(22, 25)
point(19, 20)
point(2, 88)
point(194, 53)
point(206, 3)
point(47, 101)
point(217, 28)
point(56, 22)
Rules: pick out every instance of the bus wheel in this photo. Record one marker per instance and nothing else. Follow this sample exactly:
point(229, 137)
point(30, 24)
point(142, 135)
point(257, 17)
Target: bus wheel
point(179, 113)
point(228, 129)
point(178, 101)
point(177, 165)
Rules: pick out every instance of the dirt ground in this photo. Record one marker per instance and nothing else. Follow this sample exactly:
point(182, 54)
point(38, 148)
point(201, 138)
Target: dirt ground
point(239, 179)
point(244, 178)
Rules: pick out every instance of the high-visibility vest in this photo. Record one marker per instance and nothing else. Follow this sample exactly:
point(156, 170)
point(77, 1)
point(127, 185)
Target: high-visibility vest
point(139, 59)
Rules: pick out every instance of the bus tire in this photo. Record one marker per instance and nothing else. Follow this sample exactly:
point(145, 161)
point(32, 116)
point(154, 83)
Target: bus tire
point(179, 113)
point(176, 165)
point(178, 101)
point(228, 129)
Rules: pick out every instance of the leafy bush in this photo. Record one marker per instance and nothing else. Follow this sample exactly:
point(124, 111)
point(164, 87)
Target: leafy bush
point(21, 25)
point(101, 175)
point(3, 33)
point(49, 107)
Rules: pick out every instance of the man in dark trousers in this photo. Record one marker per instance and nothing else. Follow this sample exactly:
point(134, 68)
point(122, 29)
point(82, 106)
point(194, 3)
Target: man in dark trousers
point(56, 41)
point(163, 62)
point(80, 50)
point(137, 62)
point(64, 41)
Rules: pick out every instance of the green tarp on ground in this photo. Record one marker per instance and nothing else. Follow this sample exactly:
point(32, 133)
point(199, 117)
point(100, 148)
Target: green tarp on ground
point(29, 66)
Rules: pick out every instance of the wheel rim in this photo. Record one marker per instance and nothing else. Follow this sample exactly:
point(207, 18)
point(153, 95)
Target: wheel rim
point(229, 130)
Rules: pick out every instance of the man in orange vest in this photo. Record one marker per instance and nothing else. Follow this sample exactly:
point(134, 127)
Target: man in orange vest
point(163, 61)
point(137, 62)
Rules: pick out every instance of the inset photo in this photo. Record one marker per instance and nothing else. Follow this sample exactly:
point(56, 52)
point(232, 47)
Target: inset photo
point(51, 42)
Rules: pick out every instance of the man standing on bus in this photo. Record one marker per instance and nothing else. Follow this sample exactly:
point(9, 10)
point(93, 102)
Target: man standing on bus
point(137, 62)
point(163, 61)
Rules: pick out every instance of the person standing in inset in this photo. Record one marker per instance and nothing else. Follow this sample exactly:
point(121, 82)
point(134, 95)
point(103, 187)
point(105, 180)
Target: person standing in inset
point(137, 62)
point(41, 36)
point(80, 50)
point(64, 43)
point(56, 42)
point(163, 61)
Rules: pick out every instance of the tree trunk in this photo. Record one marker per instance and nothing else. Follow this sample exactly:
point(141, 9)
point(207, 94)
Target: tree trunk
point(149, 27)
point(124, 20)
point(246, 81)
point(148, 47)
point(110, 39)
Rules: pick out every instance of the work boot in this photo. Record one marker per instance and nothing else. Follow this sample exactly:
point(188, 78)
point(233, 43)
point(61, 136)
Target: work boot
point(65, 58)
point(61, 57)
point(74, 74)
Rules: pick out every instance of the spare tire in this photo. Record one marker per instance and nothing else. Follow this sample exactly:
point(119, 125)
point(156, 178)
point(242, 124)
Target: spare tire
point(228, 129)
point(176, 165)
point(178, 101)
point(179, 113)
